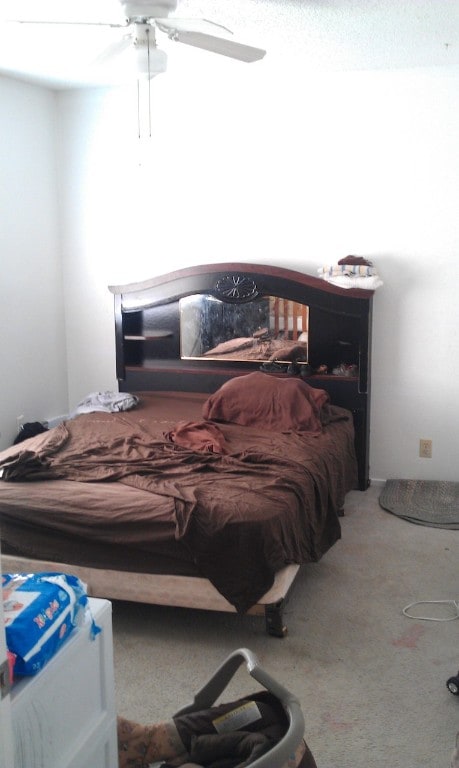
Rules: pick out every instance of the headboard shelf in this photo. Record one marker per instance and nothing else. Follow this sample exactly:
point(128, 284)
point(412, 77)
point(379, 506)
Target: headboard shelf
point(205, 309)
point(238, 368)
point(148, 336)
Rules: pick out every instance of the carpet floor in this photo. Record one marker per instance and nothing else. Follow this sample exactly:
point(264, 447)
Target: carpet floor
point(371, 681)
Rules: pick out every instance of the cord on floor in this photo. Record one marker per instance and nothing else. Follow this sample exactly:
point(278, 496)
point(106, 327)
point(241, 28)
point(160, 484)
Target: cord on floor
point(454, 603)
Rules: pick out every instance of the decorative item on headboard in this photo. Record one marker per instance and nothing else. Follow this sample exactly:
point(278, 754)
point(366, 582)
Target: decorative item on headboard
point(352, 272)
point(193, 329)
point(236, 288)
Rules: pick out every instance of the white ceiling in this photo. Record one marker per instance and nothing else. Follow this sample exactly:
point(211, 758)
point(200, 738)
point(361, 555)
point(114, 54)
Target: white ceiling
point(318, 35)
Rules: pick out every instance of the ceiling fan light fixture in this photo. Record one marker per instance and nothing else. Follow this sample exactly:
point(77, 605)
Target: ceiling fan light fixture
point(150, 63)
point(147, 8)
point(148, 60)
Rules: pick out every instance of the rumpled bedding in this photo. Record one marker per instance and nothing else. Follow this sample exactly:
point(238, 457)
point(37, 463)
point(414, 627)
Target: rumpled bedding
point(198, 436)
point(270, 500)
point(107, 401)
point(252, 348)
point(274, 403)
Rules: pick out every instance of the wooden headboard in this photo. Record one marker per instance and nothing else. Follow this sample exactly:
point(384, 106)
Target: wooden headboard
point(337, 327)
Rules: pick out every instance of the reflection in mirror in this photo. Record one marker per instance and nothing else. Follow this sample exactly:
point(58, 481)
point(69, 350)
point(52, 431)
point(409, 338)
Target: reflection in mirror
point(267, 328)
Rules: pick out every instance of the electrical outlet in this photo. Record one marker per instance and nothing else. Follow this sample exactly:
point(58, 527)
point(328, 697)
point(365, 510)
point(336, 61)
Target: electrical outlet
point(425, 449)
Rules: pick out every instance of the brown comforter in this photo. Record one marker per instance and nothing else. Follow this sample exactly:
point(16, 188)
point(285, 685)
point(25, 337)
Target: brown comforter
point(268, 500)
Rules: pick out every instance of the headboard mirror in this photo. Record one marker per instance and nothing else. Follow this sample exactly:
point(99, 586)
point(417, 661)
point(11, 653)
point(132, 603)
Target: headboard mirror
point(258, 329)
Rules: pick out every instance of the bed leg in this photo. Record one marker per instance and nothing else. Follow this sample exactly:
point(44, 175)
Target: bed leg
point(273, 618)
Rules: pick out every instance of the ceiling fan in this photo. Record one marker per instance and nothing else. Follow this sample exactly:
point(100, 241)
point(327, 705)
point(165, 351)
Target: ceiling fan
point(142, 18)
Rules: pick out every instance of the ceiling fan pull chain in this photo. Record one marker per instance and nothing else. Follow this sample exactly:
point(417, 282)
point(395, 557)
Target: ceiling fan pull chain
point(149, 82)
point(138, 108)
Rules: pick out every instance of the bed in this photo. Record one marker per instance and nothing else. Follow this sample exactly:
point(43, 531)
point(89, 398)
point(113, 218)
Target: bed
point(227, 466)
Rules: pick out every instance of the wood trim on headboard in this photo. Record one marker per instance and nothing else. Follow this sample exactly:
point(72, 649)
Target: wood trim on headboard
point(259, 269)
point(332, 311)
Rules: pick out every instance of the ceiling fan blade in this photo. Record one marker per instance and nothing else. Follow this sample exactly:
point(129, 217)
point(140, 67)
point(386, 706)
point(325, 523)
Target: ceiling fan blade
point(70, 23)
point(113, 50)
point(215, 44)
point(180, 24)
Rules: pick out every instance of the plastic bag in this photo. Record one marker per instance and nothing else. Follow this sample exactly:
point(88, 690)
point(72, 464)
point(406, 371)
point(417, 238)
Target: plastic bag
point(40, 611)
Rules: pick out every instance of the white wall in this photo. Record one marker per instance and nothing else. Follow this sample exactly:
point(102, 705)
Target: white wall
point(257, 164)
point(32, 338)
point(248, 163)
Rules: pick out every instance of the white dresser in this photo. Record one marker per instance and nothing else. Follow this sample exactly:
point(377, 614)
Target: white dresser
point(64, 717)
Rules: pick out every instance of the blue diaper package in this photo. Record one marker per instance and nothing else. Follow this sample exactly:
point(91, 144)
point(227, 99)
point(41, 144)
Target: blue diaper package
point(40, 611)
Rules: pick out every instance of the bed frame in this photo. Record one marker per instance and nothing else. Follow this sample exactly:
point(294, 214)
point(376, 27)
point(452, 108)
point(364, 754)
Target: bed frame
point(148, 358)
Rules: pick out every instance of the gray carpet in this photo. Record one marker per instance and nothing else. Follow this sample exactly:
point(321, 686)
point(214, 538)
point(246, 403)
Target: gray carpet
point(371, 682)
point(425, 502)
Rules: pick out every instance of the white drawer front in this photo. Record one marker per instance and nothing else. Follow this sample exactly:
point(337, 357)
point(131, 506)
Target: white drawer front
point(64, 717)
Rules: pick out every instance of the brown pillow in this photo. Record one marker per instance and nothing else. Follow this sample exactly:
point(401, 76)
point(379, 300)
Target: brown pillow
point(283, 404)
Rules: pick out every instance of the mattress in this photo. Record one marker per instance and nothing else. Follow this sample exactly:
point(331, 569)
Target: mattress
point(120, 491)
